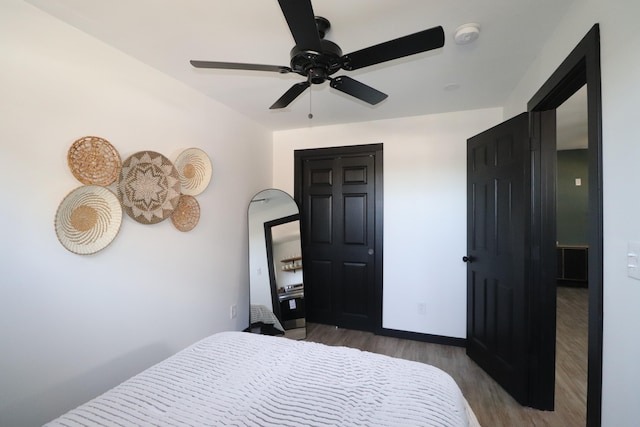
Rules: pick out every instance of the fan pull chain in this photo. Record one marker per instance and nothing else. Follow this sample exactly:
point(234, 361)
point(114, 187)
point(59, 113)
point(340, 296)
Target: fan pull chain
point(310, 113)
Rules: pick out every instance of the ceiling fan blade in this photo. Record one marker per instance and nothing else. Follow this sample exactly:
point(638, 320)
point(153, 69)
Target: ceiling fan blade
point(301, 20)
point(358, 90)
point(422, 41)
point(240, 66)
point(290, 95)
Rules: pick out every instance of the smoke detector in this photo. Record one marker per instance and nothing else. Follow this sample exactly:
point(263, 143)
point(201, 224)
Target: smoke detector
point(467, 33)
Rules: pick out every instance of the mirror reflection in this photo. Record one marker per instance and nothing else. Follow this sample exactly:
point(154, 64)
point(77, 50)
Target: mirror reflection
point(275, 265)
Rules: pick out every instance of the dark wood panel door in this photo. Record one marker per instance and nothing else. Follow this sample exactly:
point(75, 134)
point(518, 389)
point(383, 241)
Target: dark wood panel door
point(497, 203)
point(339, 240)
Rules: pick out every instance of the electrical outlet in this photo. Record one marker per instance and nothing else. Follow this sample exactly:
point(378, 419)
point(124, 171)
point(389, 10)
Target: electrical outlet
point(422, 308)
point(233, 311)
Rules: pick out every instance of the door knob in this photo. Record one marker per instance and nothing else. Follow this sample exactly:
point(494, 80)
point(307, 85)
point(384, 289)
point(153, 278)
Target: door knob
point(467, 259)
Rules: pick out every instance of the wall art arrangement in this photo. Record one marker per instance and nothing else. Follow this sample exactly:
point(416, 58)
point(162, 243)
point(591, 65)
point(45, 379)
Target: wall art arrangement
point(148, 187)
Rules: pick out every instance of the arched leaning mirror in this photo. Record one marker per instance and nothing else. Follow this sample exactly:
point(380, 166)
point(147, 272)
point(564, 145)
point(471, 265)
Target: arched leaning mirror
point(275, 265)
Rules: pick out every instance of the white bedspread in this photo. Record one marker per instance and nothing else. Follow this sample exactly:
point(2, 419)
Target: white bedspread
point(260, 313)
point(242, 379)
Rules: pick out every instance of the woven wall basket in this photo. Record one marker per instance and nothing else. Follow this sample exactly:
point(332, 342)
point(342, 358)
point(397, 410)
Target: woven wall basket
point(88, 219)
point(148, 187)
point(94, 161)
point(194, 167)
point(187, 213)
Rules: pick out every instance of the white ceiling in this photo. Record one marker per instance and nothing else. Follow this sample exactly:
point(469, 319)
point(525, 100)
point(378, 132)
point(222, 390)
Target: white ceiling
point(166, 34)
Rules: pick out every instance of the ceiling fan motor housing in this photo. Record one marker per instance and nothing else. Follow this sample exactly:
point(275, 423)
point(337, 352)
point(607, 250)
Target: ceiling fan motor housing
point(316, 66)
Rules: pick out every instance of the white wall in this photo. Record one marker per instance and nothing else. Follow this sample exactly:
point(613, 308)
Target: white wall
point(73, 326)
point(424, 209)
point(621, 154)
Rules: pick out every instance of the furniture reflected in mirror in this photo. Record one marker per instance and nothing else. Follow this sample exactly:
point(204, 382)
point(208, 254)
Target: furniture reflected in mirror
point(275, 266)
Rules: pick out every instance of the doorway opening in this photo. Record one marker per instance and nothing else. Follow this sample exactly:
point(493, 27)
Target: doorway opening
point(572, 242)
point(580, 68)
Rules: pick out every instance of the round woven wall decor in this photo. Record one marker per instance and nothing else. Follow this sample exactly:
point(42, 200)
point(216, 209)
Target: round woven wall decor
point(88, 219)
point(94, 161)
point(187, 213)
point(194, 167)
point(148, 187)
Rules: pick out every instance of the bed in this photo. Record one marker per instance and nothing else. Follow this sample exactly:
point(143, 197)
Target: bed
point(243, 379)
point(264, 320)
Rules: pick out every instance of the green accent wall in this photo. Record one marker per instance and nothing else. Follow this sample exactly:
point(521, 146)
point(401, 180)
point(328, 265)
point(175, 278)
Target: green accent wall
point(572, 200)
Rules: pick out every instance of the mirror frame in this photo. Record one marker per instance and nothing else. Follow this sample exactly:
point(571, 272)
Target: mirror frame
point(268, 238)
point(262, 237)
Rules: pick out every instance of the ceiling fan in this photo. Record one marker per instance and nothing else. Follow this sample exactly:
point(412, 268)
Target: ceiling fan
point(317, 59)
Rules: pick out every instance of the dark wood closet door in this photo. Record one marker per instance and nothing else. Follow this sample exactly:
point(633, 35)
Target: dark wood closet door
point(338, 222)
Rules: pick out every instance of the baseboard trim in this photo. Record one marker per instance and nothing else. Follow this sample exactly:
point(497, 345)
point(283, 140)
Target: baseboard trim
point(417, 336)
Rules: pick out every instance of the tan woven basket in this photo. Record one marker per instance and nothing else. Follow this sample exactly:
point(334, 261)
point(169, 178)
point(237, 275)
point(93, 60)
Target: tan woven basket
point(148, 187)
point(94, 161)
point(194, 167)
point(88, 219)
point(187, 214)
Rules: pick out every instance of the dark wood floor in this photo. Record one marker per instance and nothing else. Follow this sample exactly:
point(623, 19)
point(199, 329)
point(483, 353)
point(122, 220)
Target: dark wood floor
point(494, 407)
